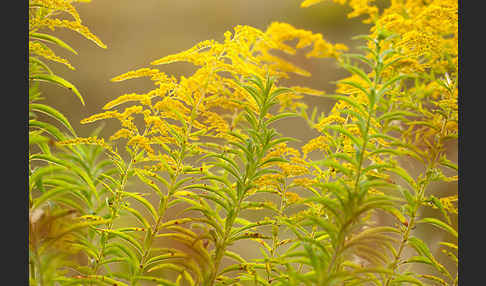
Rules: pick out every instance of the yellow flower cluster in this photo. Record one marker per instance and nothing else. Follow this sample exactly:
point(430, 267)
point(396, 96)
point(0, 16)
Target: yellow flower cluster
point(39, 20)
point(88, 140)
point(428, 30)
point(308, 3)
point(60, 5)
point(304, 182)
point(292, 197)
point(141, 142)
point(192, 55)
point(296, 166)
point(319, 143)
point(282, 32)
point(39, 49)
point(360, 7)
point(142, 98)
point(154, 74)
point(332, 118)
point(291, 100)
point(215, 121)
point(449, 203)
point(35, 24)
point(179, 111)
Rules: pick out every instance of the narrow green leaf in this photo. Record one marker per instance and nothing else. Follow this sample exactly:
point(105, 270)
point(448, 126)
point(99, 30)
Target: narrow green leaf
point(59, 81)
point(52, 112)
point(144, 202)
point(439, 224)
point(41, 64)
point(52, 39)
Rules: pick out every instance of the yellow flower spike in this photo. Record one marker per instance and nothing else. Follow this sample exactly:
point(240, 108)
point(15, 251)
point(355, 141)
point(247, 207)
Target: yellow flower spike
point(417, 43)
point(187, 55)
point(71, 25)
point(140, 141)
point(281, 32)
point(131, 110)
point(142, 98)
point(122, 133)
point(216, 122)
point(304, 182)
point(306, 90)
point(61, 5)
point(363, 7)
point(170, 104)
point(39, 49)
point(143, 72)
point(292, 197)
point(448, 203)
point(318, 143)
point(100, 116)
point(330, 119)
point(308, 3)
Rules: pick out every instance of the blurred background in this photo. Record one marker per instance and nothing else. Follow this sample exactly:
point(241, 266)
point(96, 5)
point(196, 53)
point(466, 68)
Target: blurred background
point(139, 32)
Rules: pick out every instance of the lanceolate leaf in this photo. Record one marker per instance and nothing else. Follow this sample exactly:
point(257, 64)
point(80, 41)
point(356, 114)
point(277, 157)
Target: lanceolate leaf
point(52, 39)
point(424, 250)
point(59, 81)
point(439, 224)
point(35, 60)
point(52, 112)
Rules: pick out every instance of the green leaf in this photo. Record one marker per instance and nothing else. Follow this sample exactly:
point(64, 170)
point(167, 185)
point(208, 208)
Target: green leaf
point(126, 237)
point(235, 256)
point(137, 214)
point(357, 71)
point(144, 202)
point(52, 39)
point(404, 175)
point(448, 163)
point(80, 172)
point(395, 115)
point(36, 138)
point(148, 182)
point(54, 192)
point(424, 250)
point(40, 63)
point(419, 259)
point(172, 253)
point(59, 81)
point(439, 224)
point(107, 280)
point(391, 81)
point(49, 128)
point(434, 278)
point(52, 112)
point(409, 279)
point(354, 84)
point(281, 116)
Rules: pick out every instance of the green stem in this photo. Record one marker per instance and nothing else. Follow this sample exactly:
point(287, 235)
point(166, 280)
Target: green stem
point(162, 209)
point(341, 237)
point(275, 233)
point(413, 215)
point(221, 247)
point(114, 211)
point(406, 235)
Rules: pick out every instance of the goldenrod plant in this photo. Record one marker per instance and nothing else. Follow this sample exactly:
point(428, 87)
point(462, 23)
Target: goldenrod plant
point(198, 166)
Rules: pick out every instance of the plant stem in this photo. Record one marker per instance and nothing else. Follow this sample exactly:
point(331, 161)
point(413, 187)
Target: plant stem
point(413, 215)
